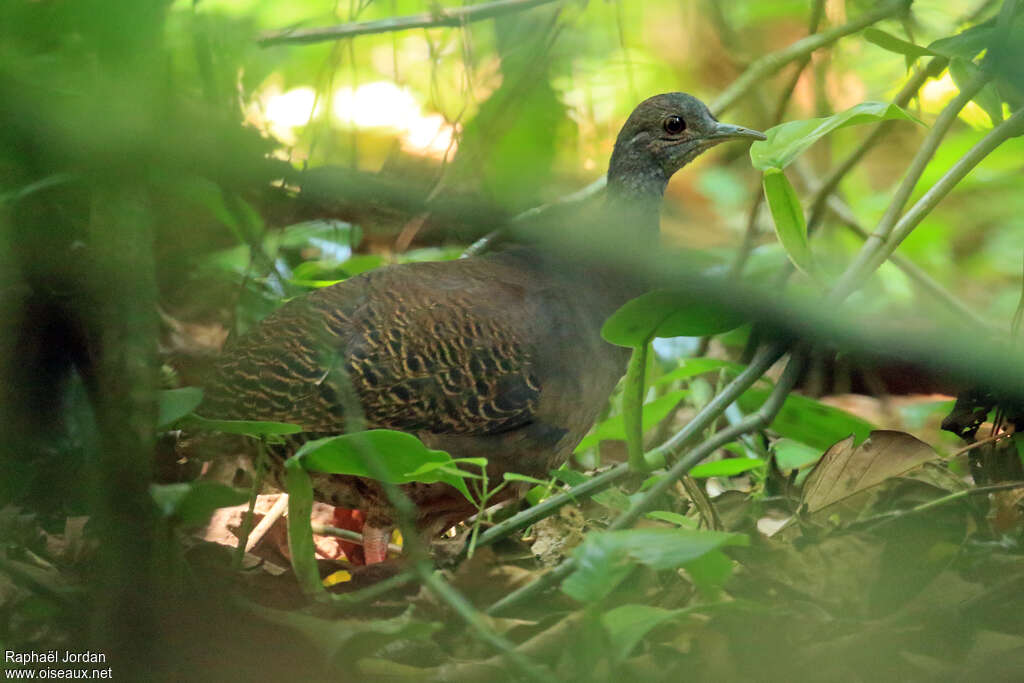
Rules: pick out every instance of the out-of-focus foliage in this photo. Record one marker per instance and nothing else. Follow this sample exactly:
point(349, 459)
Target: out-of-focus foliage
point(166, 181)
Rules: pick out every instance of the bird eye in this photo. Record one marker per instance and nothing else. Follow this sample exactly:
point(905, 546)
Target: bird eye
point(674, 125)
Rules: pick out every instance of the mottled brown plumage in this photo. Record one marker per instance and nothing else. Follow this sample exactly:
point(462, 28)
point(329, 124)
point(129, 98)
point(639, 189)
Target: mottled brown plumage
point(498, 356)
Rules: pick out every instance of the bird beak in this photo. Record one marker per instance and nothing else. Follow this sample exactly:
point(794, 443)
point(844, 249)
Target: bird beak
point(725, 131)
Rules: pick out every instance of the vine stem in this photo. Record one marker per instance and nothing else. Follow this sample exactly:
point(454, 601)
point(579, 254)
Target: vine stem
point(858, 271)
point(655, 457)
point(438, 17)
point(757, 420)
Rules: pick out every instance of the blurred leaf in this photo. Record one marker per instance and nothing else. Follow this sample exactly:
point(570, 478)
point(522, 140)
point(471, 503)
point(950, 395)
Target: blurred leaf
point(788, 216)
point(512, 476)
point(889, 42)
point(963, 72)
point(628, 624)
point(614, 427)
point(970, 42)
point(844, 470)
point(174, 404)
point(666, 313)
point(193, 503)
point(710, 572)
point(402, 458)
point(254, 428)
point(792, 455)
point(672, 518)
point(337, 639)
point(300, 530)
point(808, 421)
point(787, 141)
point(612, 498)
point(725, 468)
point(605, 558)
point(692, 367)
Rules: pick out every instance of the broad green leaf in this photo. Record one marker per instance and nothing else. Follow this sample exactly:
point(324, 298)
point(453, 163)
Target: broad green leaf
point(192, 504)
point(889, 42)
point(605, 558)
point(614, 427)
point(666, 313)
point(787, 141)
point(628, 624)
point(402, 458)
point(692, 367)
point(253, 428)
point(969, 42)
point(726, 468)
point(962, 72)
point(792, 455)
point(788, 216)
point(174, 404)
point(808, 421)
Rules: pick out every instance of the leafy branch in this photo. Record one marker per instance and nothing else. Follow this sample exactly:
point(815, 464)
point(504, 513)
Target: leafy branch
point(436, 18)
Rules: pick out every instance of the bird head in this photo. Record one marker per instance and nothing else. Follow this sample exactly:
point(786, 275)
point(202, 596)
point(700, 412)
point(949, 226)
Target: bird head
point(663, 134)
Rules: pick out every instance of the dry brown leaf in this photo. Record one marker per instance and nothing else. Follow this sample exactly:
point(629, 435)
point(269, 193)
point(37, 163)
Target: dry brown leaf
point(846, 470)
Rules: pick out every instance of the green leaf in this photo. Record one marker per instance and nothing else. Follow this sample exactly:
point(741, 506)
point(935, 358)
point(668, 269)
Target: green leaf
point(254, 428)
point(963, 72)
point(672, 518)
point(726, 468)
point(889, 42)
point(605, 558)
point(174, 404)
point(402, 458)
point(788, 216)
point(692, 367)
point(808, 421)
point(969, 42)
point(787, 141)
point(710, 572)
point(192, 504)
point(666, 313)
point(512, 476)
point(628, 624)
point(792, 455)
point(300, 530)
point(612, 498)
point(614, 427)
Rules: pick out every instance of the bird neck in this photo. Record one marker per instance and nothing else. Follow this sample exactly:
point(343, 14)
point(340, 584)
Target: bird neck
point(636, 187)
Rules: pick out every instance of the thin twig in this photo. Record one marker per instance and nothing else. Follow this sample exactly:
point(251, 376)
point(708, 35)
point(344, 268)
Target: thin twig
point(858, 271)
point(902, 98)
point(257, 484)
point(1011, 127)
point(878, 520)
point(770, 64)
point(926, 282)
point(478, 622)
point(273, 514)
point(977, 444)
point(438, 17)
point(349, 535)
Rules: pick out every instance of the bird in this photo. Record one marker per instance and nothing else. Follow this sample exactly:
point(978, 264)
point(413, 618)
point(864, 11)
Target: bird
point(498, 355)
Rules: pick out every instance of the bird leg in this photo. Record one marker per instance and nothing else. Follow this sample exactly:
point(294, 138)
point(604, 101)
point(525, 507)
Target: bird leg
point(375, 543)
